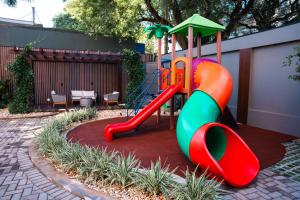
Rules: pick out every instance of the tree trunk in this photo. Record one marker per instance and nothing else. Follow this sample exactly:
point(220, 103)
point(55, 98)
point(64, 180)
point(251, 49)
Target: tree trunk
point(166, 49)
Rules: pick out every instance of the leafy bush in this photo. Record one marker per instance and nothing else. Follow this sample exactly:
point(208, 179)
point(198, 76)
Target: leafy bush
point(294, 59)
point(4, 96)
point(197, 188)
point(124, 170)
point(22, 71)
point(136, 73)
point(156, 180)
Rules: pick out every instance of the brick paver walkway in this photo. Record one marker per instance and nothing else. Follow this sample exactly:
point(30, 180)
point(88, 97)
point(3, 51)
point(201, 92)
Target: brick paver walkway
point(19, 179)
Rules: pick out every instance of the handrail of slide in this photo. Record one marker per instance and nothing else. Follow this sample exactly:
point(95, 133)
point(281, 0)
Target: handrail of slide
point(145, 94)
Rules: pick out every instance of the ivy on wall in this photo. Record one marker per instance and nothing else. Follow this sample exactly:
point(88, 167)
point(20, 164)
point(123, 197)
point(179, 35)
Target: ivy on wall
point(294, 59)
point(23, 91)
point(136, 73)
point(4, 96)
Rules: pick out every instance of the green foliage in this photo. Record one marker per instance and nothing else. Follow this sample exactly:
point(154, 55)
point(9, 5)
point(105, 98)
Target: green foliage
point(4, 96)
point(96, 163)
point(197, 188)
point(66, 21)
point(123, 171)
point(23, 91)
point(136, 73)
point(50, 140)
point(118, 18)
point(156, 180)
point(12, 3)
point(294, 60)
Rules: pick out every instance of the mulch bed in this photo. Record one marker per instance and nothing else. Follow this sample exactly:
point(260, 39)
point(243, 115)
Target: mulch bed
point(151, 142)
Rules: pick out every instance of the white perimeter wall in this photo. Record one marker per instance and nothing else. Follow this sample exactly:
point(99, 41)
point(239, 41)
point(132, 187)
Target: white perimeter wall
point(274, 100)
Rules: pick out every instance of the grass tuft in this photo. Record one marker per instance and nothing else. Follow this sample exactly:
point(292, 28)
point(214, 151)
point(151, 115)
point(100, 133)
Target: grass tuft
point(199, 188)
point(123, 170)
point(156, 180)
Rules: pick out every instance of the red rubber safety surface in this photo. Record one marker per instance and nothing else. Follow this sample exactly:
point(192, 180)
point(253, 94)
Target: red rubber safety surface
point(150, 142)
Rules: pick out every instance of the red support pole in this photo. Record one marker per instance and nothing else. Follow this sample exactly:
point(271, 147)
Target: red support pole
point(198, 46)
point(189, 74)
point(173, 76)
point(218, 43)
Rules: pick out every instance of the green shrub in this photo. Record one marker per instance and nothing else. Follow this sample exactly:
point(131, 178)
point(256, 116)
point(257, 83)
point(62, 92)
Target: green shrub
point(123, 170)
point(4, 96)
point(23, 91)
point(197, 188)
point(156, 180)
point(136, 73)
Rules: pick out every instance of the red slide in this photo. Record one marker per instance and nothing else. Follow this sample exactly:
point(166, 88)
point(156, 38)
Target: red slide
point(146, 112)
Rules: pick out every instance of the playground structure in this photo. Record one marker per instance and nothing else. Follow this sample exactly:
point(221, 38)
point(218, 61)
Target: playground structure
point(208, 87)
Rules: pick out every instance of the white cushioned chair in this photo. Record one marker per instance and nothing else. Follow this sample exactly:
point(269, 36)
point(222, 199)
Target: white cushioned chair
point(111, 98)
point(76, 95)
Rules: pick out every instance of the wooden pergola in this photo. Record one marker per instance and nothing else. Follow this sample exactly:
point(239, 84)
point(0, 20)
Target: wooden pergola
point(41, 54)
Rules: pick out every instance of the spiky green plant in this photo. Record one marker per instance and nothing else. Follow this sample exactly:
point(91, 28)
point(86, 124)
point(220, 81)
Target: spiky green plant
point(123, 170)
point(70, 159)
point(50, 140)
point(199, 188)
point(156, 180)
point(96, 164)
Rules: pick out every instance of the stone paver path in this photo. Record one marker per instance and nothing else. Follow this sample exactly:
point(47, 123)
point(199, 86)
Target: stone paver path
point(290, 164)
point(19, 179)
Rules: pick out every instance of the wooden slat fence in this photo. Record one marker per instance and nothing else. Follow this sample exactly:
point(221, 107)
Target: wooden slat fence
point(6, 57)
point(66, 76)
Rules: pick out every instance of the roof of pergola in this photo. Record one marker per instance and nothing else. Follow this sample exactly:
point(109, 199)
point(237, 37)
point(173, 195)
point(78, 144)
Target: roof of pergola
point(72, 55)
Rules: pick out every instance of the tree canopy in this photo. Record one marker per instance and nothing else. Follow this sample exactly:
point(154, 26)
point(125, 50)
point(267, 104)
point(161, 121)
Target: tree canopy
point(127, 18)
point(12, 2)
point(110, 18)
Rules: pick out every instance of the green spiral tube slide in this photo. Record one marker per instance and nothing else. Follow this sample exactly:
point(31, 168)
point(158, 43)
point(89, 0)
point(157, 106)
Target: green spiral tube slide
point(200, 109)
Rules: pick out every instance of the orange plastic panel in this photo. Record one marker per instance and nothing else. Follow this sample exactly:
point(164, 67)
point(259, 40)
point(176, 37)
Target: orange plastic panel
point(164, 81)
point(215, 80)
point(174, 68)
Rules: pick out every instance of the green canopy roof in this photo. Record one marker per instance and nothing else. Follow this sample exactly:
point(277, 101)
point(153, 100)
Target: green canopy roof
point(200, 25)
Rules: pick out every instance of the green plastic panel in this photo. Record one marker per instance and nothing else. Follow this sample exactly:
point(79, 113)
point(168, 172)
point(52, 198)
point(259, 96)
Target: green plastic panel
point(197, 111)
